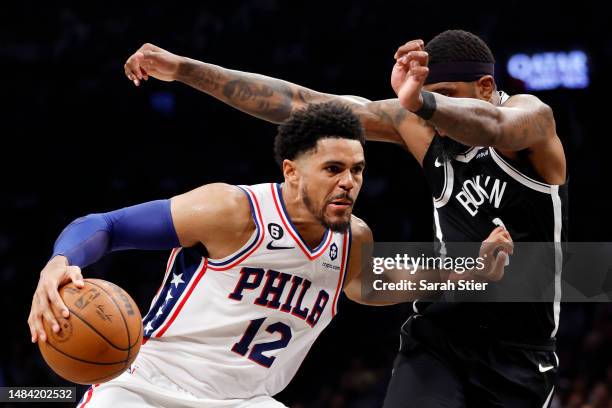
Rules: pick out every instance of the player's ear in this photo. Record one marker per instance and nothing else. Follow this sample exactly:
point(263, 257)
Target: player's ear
point(485, 87)
point(290, 171)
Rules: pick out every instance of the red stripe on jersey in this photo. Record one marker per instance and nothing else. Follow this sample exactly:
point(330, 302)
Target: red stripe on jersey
point(89, 394)
point(180, 306)
point(171, 258)
point(342, 272)
point(296, 239)
point(168, 267)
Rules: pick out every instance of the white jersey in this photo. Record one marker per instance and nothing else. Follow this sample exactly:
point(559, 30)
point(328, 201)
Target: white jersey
point(241, 326)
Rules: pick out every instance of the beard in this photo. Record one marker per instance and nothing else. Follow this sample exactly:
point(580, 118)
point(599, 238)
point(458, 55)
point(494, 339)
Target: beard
point(447, 148)
point(319, 214)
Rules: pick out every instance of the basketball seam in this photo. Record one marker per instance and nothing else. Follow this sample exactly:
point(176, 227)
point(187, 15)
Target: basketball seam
point(96, 331)
point(124, 363)
point(127, 329)
point(82, 360)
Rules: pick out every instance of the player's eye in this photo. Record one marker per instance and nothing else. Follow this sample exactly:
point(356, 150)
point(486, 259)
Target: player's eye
point(333, 169)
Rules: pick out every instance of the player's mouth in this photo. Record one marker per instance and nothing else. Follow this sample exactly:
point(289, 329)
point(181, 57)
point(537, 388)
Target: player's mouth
point(341, 204)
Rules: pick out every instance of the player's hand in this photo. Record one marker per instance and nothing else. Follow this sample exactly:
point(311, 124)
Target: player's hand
point(150, 60)
point(495, 250)
point(47, 303)
point(409, 74)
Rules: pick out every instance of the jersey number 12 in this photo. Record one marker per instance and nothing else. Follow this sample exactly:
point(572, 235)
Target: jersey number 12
point(256, 354)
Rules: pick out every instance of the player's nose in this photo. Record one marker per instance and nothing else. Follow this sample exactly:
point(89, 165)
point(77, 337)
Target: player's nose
point(347, 180)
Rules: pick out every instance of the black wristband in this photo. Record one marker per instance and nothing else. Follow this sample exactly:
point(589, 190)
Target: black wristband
point(429, 105)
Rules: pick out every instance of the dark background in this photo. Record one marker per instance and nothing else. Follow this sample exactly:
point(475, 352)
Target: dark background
point(78, 137)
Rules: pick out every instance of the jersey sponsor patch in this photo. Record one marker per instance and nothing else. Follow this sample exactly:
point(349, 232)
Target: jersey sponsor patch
point(275, 230)
point(333, 251)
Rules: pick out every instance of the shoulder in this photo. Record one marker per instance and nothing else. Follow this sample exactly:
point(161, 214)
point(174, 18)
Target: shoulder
point(220, 198)
point(360, 231)
point(212, 212)
point(529, 102)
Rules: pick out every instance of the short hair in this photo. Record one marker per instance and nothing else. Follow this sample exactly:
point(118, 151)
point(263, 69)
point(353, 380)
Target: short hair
point(305, 127)
point(458, 46)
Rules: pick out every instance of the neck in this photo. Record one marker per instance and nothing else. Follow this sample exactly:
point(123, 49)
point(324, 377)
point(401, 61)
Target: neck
point(311, 229)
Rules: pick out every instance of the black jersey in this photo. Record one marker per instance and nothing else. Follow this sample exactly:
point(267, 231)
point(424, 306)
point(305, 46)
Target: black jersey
point(475, 192)
point(481, 189)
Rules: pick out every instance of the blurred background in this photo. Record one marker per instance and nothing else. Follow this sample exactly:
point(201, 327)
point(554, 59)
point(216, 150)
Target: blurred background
point(77, 137)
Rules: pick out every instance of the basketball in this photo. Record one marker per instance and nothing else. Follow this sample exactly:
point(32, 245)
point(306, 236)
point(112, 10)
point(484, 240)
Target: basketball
point(100, 338)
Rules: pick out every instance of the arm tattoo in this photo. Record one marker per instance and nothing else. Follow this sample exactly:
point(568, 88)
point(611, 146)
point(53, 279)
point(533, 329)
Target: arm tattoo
point(381, 113)
point(258, 95)
point(202, 79)
point(478, 123)
point(306, 95)
point(385, 120)
point(469, 121)
point(274, 100)
point(264, 99)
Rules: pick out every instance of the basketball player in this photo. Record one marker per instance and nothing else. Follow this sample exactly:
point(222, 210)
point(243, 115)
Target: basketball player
point(489, 159)
point(254, 277)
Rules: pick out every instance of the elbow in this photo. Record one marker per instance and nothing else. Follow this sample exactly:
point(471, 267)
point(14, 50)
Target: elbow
point(368, 296)
point(547, 116)
point(362, 295)
point(355, 297)
point(95, 219)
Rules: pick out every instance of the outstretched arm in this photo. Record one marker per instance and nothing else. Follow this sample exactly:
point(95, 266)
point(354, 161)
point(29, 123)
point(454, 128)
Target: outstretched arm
point(185, 220)
point(261, 96)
